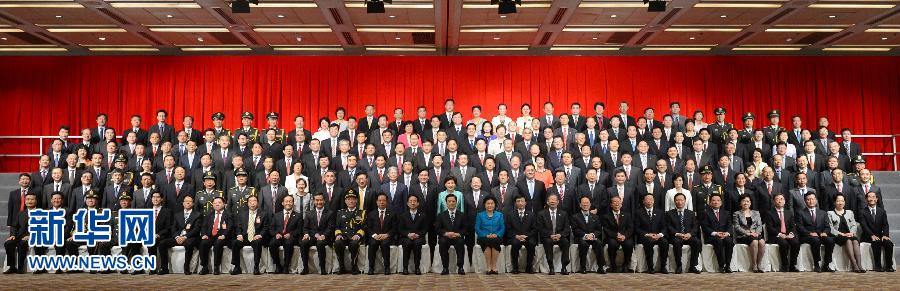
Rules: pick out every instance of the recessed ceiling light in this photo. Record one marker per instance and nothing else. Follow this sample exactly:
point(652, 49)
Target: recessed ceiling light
point(789, 39)
point(392, 16)
point(2, 38)
point(397, 38)
point(883, 38)
point(496, 38)
point(101, 38)
point(723, 16)
point(169, 16)
point(200, 38)
point(613, 16)
point(280, 16)
point(692, 38)
point(502, 16)
point(831, 16)
point(59, 16)
point(299, 39)
point(593, 38)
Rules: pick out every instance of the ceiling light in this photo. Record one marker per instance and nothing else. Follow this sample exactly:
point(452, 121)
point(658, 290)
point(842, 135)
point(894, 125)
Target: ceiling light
point(101, 38)
point(831, 16)
point(863, 6)
point(299, 38)
point(767, 48)
point(392, 16)
point(2, 38)
point(857, 49)
point(59, 16)
point(499, 29)
point(789, 39)
point(364, 28)
point(293, 29)
point(41, 5)
point(700, 29)
point(213, 48)
point(268, 4)
point(803, 29)
point(87, 29)
point(676, 48)
point(397, 38)
point(123, 49)
point(723, 16)
point(5, 29)
point(692, 38)
point(584, 48)
point(280, 16)
point(169, 16)
point(883, 30)
point(200, 38)
point(188, 29)
point(613, 16)
point(884, 38)
point(310, 48)
point(593, 38)
point(399, 49)
point(595, 4)
point(736, 5)
point(154, 5)
point(502, 16)
point(496, 38)
point(493, 48)
point(589, 28)
point(529, 4)
point(32, 49)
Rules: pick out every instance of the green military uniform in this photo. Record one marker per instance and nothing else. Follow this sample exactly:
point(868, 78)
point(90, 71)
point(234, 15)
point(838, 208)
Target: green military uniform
point(237, 197)
point(203, 199)
point(746, 135)
point(251, 132)
point(127, 176)
point(719, 132)
point(279, 133)
point(105, 248)
point(72, 245)
point(219, 132)
point(853, 175)
point(347, 224)
point(701, 192)
point(771, 132)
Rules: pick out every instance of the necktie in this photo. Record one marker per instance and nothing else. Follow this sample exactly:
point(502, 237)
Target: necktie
point(424, 192)
point(717, 215)
point(177, 188)
point(650, 214)
point(116, 190)
point(840, 186)
point(251, 226)
point(617, 218)
point(318, 217)
point(812, 212)
point(274, 197)
point(866, 189)
point(681, 220)
point(329, 192)
point(690, 181)
point(186, 216)
point(553, 221)
point(781, 217)
point(287, 218)
point(452, 216)
point(502, 192)
point(155, 213)
point(381, 218)
point(873, 213)
point(215, 228)
point(57, 187)
point(521, 215)
point(22, 201)
point(769, 186)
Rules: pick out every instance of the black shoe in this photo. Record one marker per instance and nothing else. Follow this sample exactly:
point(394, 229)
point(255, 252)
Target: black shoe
point(40, 272)
point(678, 270)
point(460, 271)
point(123, 272)
point(613, 269)
point(794, 269)
point(890, 269)
point(323, 272)
point(445, 271)
point(514, 271)
point(623, 270)
point(216, 271)
point(650, 271)
point(551, 272)
point(817, 269)
point(695, 270)
point(564, 271)
point(341, 271)
point(204, 271)
point(236, 271)
point(600, 270)
point(727, 270)
point(371, 272)
point(304, 271)
point(877, 269)
point(583, 270)
point(355, 271)
point(387, 271)
point(827, 270)
point(187, 272)
point(153, 272)
point(22, 271)
point(256, 271)
point(529, 270)
point(664, 270)
point(59, 272)
point(162, 272)
point(404, 272)
point(417, 271)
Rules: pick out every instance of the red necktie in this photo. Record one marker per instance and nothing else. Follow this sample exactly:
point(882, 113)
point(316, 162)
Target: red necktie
point(866, 189)
point(839, 187)
point(22, 201)
point(215, 229)
point(381, 218)
point(717, 215)
point(781, 217)
point(287, 218)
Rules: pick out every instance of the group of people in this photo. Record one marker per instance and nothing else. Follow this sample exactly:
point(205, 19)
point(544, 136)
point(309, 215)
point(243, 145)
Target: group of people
point(615, 181)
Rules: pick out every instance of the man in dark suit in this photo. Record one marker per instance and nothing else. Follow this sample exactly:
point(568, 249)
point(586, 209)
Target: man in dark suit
point(553, 226)
point(166, 132)
point(782, 230)
point(587, 232)
point(428, 200)
point(451, 226)
point(568, 198)
point(521, 231)
point(766, 188)
point(16, 244)
point(717, 229)
point(318, 230)
point(617, 228)
point(595, 189)
point(622, 190)
point(252, 230)
point(683, 229)
point(115, 190)
point(141, 135)
point(380, 226)
point(286, 228)
point(876, 231)
point(395, 190)
point(163, 227)
point(412, 227)
point(185, 232)
point(533, 190)
point(812, 223)
point(216, 233)
point(650, 228)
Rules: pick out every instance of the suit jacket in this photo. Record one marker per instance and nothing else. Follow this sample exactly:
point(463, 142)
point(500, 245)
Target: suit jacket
point(520, 226)
point(507, 202)
point(763, 201)
point(463, 182)
point(225, 228)
point(674, 224)
point(545, 225)
point(406, 224)
point(580, 227)
point(873, 225)
point(325, 226)
point(266, 203)
point(773, 223)
point(628, 202)
point(624, 226)
point(569, 199)
point(141, 135)
point(711, 224)
point(535, 201)
point(458, 225)
point(375, 226)
point(427, 203)
point(111, 197)
point(167, 133)
point(649, 224)
point(294, 224)
point(190, 228)
point(47, 192)
point(262, 224)
point(396, 204)
point(806, 224)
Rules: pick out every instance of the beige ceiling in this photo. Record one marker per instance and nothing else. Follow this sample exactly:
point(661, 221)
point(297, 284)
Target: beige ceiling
point(450, 27)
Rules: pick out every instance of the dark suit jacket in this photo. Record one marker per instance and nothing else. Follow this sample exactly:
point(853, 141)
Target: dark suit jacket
point(806, 224)
point(535, 200)
point(375, 226)
point(167, 134)
point(443, 224)
point(645, 224)
point(194, 221)
point(261, 225)
point(611, 228)
point(877, 225)
point(581, 228)
point(165, 222)
point(324, 227)
point(710, 224)
point(294, 224)
point(545, 225)
point(773, 223)
point(524, 226)
point(628, 204)
point(674, 226)
point(406, 224)
point(398, 204)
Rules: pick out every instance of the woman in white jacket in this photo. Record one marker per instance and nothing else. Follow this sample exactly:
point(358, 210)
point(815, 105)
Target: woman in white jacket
point(843, 228)
point(678, 182)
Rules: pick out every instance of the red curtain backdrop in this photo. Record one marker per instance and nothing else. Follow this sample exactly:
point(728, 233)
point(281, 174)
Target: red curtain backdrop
point(41, 93)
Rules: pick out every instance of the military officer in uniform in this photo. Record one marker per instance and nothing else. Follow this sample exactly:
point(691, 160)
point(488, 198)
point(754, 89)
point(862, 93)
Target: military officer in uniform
point(246, 128)
point(238, 195)
point(349, 231)
point(853, 174)
point(746, 135)
point(771, 132)
point(701, 192)
point(105, 247)
point(205, 197)
point(719, 129)
point(91, 203)
point(121, 163)
point(218, 118)
point(272, 121)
